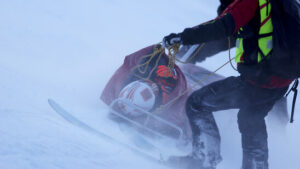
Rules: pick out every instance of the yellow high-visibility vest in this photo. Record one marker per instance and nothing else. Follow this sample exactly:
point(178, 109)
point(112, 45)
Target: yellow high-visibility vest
point(265, 38)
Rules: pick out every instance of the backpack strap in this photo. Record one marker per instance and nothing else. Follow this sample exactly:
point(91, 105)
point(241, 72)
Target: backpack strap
point(294, 89)
point(265, 35)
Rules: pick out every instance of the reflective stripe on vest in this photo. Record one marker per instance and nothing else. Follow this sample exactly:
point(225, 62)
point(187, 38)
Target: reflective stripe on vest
point(265, 38)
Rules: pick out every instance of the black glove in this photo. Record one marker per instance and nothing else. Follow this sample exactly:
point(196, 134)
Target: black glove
point(171, 40)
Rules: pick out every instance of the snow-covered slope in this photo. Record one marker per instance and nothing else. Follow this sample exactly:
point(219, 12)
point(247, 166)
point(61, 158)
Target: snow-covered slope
point(67, 50)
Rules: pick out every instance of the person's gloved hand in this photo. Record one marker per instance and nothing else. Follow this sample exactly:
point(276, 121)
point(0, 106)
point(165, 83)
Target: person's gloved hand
point(171, 40)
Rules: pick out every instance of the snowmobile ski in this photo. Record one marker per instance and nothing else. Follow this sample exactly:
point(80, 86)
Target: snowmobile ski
point(157, 157)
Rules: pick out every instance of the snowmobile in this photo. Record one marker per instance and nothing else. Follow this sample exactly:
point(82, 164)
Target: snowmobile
point(147, 96)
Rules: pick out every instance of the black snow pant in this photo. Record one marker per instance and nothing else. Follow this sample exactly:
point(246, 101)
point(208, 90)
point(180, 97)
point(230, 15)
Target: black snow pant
point(253, 103)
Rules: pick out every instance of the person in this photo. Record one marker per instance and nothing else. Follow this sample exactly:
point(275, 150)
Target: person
point(279, 117)
point(254, 92)
point(184, 77)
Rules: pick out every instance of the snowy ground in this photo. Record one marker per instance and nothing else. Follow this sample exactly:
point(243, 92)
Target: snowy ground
point(67, 50)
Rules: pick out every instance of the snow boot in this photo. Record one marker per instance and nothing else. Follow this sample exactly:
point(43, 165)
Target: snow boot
point(206, 147)
point(249, 162)
point(206, 140)
point(184, 162)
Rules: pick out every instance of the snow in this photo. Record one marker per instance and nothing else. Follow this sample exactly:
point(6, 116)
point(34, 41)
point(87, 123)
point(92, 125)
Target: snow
point(67, 50)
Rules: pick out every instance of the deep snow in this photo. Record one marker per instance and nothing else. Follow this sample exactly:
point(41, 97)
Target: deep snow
point(67, 50)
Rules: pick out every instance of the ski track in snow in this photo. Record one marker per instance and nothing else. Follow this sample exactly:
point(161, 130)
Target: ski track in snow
point(67, 50)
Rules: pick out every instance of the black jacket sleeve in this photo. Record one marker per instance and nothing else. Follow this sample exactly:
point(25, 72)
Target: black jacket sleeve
point(214, 30)
point(209, 49)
